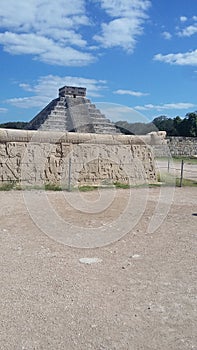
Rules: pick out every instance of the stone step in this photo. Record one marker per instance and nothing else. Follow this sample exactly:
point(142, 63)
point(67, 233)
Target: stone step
point(99, 117)
point(58, 112)
point(95, 111)
point(55, 114)
point(61, 103)
point(67, 113)
point(100, 120)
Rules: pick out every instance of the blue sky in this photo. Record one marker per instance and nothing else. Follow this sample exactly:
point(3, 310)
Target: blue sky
point(137, 58)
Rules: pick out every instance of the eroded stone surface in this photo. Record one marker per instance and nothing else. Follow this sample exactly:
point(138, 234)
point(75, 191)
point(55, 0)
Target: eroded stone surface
point(177, 146)
point(37, 158)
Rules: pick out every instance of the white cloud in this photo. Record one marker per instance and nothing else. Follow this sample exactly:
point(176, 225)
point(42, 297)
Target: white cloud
point(44, 49)
point(183, 18)
point(167, 35)
point(50, 32)
point(53, 32)
point(188, 31)
point(3, 110)
point(46, 89)
point(126, 23)
point(130, 92)
point(165, 106)
point(39, 15)
point(120, 8)
point(182, 59)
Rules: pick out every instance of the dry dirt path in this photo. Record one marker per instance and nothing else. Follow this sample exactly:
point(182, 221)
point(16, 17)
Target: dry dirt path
point(189, 169)
point(139, 295)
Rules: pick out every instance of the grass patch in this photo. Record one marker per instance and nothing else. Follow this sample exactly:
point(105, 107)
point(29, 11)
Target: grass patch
point(156, 184)
point(87, 188)
point(188, 160)
point(121, 185)
point(166, 179)
point(52, 187)
point(8, 186)
point(163, 179)
point(187, 182)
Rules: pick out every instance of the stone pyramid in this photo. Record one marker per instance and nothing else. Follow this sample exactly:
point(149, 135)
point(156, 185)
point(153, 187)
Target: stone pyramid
point(72, 112)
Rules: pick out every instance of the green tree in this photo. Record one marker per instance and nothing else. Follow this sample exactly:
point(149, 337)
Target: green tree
point(177, 125)
point(191, 121)
point(165, 123)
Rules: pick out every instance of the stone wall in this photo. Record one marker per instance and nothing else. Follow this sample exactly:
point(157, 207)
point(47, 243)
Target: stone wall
point(177, 146)
point(40, 158)
point(182, 146)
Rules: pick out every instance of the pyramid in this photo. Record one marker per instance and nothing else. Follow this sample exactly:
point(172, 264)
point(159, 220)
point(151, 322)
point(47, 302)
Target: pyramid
point(72, 112)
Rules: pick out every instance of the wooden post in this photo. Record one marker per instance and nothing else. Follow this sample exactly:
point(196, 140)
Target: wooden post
point(181, 178)
point(168, 164)
point(69, 174)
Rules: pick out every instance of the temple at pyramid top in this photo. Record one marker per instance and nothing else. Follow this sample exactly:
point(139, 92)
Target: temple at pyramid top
point(73, 91)
point(72, 112)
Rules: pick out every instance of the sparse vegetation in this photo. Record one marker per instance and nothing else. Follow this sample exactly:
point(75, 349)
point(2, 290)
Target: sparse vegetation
point(87, 188)
point(12, 185)
point(52, 187)
point(166, 179)
point(176, 126)
point(121, 185)
point(187, 160)
point(163, 179)
point(6, 186)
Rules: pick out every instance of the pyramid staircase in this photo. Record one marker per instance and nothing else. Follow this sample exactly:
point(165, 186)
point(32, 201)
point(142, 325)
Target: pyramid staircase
point(72, 113)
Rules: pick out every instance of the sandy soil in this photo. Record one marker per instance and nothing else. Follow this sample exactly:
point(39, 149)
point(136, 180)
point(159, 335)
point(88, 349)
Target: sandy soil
point(141, 295)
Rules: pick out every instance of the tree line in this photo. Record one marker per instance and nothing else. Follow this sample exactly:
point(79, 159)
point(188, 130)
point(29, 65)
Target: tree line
point(13, 125)
point(177, 126)
point(173, 126)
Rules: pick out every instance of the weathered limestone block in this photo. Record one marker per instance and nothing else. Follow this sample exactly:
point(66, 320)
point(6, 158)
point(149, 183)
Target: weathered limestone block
point(10, 159)
point(38, 158)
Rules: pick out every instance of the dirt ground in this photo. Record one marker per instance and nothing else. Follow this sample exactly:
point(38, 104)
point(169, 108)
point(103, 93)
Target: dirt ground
point(189, 168)
point(140, 295)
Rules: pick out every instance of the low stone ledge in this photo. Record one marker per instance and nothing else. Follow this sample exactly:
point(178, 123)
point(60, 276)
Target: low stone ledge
point(42, 157)
point(14, 135)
